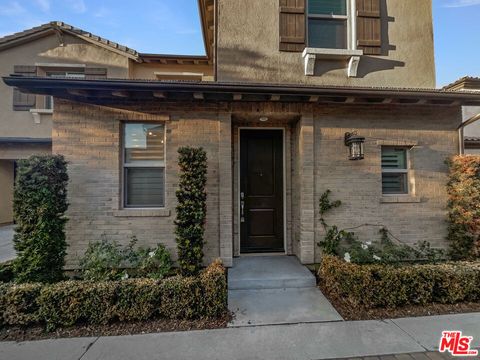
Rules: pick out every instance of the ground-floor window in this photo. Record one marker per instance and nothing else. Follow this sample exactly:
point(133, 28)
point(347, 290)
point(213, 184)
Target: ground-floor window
point(144, 165)
point(394, 170)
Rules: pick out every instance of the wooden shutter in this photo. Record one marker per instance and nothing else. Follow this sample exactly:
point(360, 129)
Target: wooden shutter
point(292, 25)
point(95, 73)
point(369, 27)
point(21, 101)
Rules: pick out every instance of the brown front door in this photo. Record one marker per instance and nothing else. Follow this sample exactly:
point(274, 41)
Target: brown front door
point(261, 191)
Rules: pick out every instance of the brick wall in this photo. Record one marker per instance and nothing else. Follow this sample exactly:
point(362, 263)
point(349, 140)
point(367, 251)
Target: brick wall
point(89, 137)
point(316, 160)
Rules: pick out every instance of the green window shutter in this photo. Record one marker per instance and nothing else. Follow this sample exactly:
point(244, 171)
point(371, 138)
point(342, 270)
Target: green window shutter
point(394, 183)
point(22, 101)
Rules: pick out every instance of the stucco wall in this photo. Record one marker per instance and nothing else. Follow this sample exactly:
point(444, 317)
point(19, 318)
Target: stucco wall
point(147, 71)
point(248, 40)
point(6, 194)
point(48, 50)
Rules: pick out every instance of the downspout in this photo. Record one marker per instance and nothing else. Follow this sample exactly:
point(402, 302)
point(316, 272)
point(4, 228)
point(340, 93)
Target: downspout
point(461, 127)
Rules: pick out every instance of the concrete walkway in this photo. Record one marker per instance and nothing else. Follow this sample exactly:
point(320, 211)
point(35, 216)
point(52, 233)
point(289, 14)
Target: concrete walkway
point(273, 290)
point(6, 243)
point(295, 341)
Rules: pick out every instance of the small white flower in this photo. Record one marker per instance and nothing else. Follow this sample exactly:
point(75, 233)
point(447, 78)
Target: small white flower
point(368, 243)
point(151, 253)
point(347, 257)
point(375, 257)
point(364, 246)
point(125, 276)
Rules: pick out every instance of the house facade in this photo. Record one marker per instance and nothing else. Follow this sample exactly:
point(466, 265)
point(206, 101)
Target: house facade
point(307, 96)
point(60, 50)
point(471, 114)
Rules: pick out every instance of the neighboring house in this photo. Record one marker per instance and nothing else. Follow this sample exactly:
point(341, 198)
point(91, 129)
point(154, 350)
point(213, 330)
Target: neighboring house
point(294, 81)
point(58, 50)
point(471, 132)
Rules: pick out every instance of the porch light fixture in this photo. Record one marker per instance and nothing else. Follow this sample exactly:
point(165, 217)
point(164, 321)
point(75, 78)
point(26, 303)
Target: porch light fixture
point(355, 146)
point(263, 119)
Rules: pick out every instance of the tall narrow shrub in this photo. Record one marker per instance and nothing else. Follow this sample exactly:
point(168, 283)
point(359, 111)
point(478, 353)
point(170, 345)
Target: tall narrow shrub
point(40, 201)
point(464, 207)
point(191, 209)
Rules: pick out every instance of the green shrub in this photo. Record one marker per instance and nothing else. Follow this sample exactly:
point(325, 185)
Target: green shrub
point(346, 245)
point(40, 201)
point(19, 303)
point(102, 261)
point(6, 272)
point(106, 260)
point(463, 211)
point(152, 263)
point(191, 209)
point(68, 303)
point(378, 285)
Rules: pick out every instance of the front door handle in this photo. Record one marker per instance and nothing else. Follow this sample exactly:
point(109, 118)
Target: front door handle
point(242, 207)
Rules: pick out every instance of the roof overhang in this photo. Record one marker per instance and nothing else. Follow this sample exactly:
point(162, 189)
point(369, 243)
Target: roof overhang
point(112, 91)
point(25, 140)
point(207, 18)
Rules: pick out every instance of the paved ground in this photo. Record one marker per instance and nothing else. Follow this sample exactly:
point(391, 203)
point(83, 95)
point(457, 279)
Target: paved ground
point(273, 290)
point(401, 339)
point(6, 244)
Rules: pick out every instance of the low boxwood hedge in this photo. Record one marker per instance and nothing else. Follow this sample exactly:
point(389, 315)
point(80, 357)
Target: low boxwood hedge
point(392, 286)
point(68, 303)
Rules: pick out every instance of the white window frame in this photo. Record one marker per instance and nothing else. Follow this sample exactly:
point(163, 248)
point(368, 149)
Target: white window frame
point(143, 164)
point(350, 19)
point(407, 170)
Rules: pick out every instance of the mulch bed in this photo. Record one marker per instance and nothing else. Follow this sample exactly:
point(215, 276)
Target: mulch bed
point(349, 313)
point(142, 327)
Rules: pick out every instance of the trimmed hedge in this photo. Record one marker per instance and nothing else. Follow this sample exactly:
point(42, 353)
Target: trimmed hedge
point(85, 302)
point(391, 286)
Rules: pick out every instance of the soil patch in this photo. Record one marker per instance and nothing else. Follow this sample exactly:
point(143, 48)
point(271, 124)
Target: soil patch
point(16, 333)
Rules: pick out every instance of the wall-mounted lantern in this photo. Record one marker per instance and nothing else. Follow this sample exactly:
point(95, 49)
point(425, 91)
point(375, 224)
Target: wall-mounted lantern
point(355, 146)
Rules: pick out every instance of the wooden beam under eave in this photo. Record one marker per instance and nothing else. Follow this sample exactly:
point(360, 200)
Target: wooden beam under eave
point(237, 97)
point(122, 94)
point(198, 96)
point(314, 98)
point(387, 101)
point(350, 100)
point(159, 95)
point(275, 98)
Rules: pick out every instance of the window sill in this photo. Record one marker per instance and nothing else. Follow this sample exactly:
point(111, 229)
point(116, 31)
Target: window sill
point(142, 213)
point(311, 55)
point(37, 114)
point(399, 199)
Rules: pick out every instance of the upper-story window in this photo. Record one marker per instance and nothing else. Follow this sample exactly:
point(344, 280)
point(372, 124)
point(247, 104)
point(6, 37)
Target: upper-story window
point(328, 23)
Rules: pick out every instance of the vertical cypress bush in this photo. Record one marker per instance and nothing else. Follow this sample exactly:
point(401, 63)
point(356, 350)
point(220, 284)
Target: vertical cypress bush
point(463, 207)
point(191, 209)
point(40, 201)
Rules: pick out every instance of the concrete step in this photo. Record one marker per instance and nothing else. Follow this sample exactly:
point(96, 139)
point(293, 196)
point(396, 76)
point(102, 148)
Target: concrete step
point(269, 272)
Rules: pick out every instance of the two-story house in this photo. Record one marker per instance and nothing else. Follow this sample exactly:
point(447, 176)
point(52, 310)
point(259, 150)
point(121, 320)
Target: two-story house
point(58, 50)
point(471, 114)
point(308, 95)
